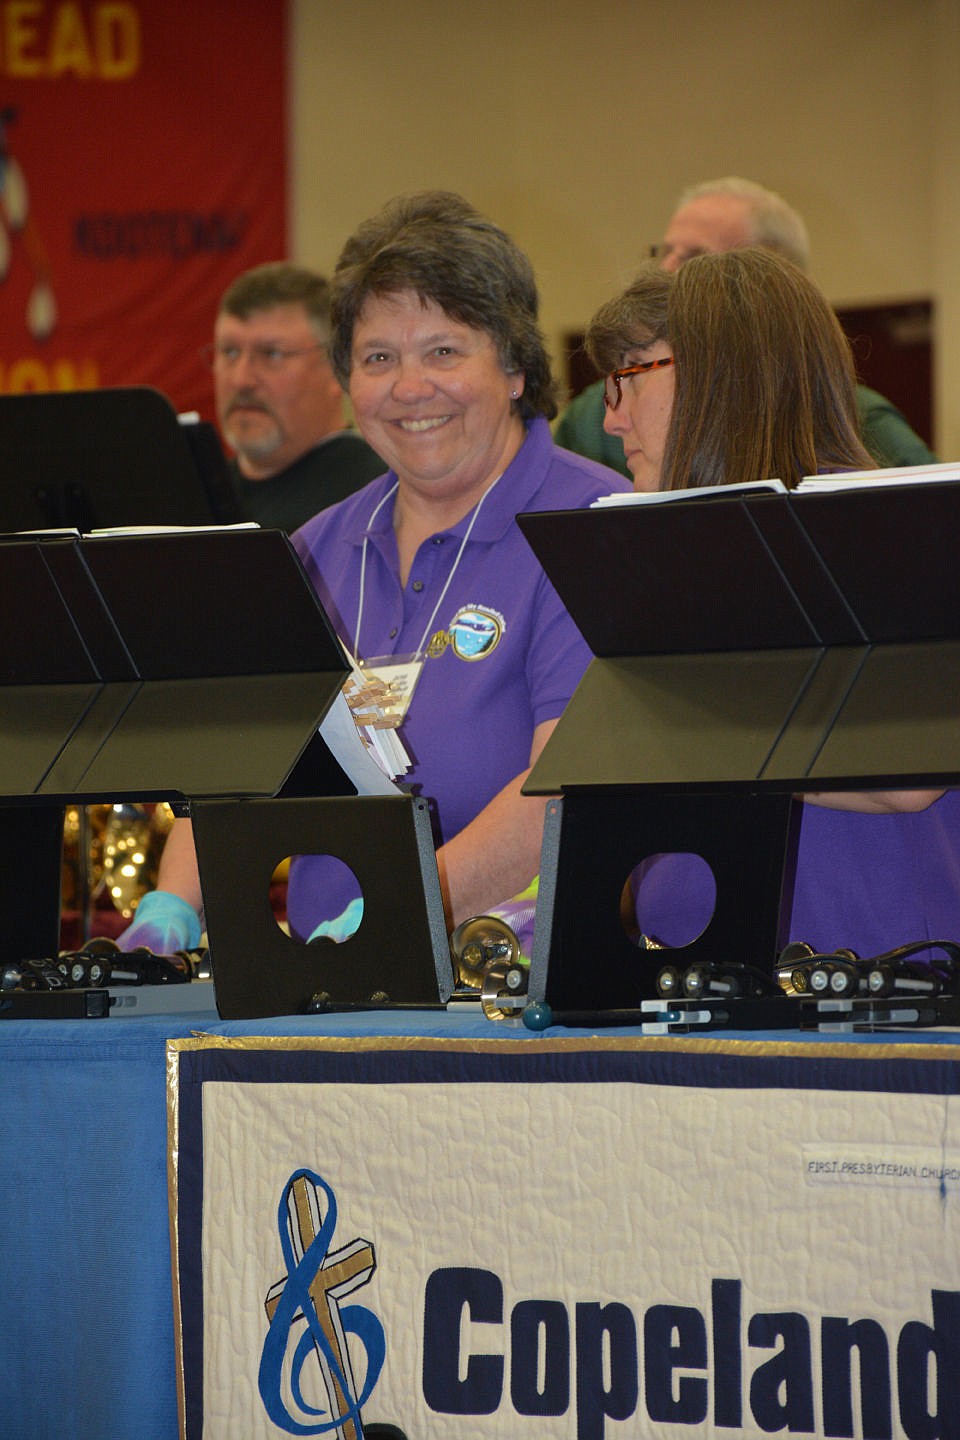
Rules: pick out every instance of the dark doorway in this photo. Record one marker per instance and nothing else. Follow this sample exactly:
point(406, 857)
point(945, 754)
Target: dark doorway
point(893, 349)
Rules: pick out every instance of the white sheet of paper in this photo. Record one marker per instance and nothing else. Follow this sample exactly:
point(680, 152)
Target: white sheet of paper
point(697, 492)
point(900, 475)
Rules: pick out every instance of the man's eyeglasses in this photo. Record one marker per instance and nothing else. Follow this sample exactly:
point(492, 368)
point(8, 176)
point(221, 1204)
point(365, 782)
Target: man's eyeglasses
point(614, 379)
point(663, 250)
point(262, 357)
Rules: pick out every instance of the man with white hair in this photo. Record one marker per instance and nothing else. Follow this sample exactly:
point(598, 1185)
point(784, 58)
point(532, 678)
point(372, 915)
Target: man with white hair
point(728, 214)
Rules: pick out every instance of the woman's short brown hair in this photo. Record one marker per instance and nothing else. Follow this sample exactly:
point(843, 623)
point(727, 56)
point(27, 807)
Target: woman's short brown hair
point(437, 245)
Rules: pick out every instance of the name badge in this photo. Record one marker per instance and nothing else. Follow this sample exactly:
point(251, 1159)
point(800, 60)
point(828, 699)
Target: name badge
point(379, 693)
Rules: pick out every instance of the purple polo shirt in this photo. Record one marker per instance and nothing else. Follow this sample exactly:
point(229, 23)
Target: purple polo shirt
point(510, 656)
point(862, 882)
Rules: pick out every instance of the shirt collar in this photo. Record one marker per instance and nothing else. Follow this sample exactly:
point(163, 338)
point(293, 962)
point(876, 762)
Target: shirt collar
point(518, 485)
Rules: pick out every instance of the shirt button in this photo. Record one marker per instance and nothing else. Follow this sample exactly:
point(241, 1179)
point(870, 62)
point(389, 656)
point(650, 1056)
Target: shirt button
point(393, 633)
point(418, 586)
point(438, 539)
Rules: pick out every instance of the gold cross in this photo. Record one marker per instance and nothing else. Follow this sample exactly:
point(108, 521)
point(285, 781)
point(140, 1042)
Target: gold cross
point(341, 1272)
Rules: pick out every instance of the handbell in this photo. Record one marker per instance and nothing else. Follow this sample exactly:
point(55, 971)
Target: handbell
point(479, 941)
point(504, 993)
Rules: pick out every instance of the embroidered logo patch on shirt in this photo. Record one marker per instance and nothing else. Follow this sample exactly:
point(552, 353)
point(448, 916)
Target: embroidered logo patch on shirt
point(475, 632)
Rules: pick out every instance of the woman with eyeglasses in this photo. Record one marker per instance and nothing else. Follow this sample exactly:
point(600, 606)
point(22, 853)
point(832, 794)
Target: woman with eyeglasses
point(735, 369)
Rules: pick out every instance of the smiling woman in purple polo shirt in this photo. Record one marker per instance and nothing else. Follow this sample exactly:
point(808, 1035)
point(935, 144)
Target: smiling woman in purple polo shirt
point(434, 314)
point(436, 339)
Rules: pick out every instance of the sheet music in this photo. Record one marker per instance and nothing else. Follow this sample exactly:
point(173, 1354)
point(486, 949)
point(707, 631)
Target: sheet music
point(696, 492)
point(134, 530)
point(899, 475)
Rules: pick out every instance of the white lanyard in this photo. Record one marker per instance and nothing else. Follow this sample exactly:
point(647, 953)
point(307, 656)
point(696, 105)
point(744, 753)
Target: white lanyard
point(363, 570)
point(449, 580)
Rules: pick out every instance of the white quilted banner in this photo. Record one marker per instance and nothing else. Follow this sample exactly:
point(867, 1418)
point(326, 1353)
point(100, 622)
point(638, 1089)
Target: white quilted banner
point(611, 1240)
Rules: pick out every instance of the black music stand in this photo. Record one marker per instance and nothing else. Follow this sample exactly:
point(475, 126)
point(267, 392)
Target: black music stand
point(194, 666)
point(747, 648)
point(91, 459)
point(400, 955)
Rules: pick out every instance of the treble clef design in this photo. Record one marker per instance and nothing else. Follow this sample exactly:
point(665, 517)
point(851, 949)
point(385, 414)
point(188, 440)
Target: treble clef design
point(316, 1281)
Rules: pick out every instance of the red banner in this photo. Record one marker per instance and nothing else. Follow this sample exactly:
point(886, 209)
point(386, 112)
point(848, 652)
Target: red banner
point(142, 167)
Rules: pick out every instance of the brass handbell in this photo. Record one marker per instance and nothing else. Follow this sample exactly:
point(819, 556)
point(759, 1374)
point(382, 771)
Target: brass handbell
point(486, 957)
point(504, 993)
point(477, 942)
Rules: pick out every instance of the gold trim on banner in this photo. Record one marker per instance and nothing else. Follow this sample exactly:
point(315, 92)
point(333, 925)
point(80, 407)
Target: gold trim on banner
point(772, 1049)
point(173, 1215)
point(787, 1049)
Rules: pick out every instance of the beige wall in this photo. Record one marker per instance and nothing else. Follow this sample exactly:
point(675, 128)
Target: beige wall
point(575, 123)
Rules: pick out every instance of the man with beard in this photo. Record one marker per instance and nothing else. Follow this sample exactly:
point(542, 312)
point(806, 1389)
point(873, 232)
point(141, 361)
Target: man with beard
point(279, 404)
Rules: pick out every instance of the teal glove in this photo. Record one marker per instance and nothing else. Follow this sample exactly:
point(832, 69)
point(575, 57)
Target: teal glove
point(340, 929)
point(162, 923)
